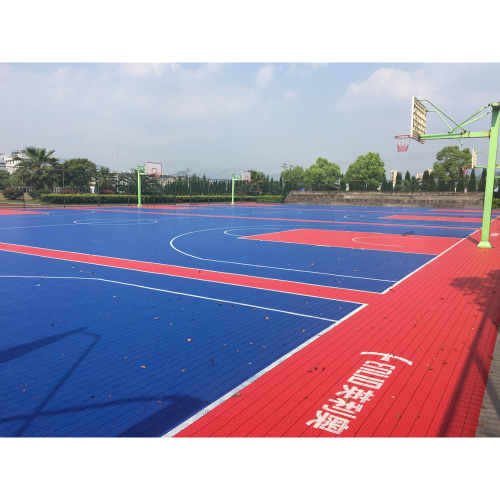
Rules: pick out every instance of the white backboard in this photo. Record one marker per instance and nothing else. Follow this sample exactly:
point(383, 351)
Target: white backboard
point(418, 119)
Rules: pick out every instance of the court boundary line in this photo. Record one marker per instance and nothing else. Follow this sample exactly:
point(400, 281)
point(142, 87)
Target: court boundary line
point(427, 263)
point(289, 220)
point(186, 423)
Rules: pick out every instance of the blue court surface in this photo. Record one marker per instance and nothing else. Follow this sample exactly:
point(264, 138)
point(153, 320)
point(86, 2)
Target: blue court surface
point(91, 348)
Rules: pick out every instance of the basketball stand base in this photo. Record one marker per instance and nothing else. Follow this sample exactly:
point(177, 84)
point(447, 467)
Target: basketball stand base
point(484, 244)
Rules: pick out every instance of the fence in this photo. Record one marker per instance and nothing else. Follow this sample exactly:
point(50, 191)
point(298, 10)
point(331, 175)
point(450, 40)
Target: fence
point(99, 185)
point(66, 187)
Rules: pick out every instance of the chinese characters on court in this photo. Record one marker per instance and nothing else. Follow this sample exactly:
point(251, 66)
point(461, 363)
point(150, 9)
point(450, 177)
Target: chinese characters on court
point(335, 415)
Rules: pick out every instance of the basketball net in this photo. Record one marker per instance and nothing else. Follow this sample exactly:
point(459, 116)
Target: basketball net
point(402, 143)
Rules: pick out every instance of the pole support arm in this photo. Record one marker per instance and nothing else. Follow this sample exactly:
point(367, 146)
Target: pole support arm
point(462, 135)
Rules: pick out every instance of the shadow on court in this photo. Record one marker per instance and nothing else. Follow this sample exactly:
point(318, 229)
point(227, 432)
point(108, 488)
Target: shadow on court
point(180, 408)
point(23, 349)
point(485, 292)
point(176, 408)
point(30, 347)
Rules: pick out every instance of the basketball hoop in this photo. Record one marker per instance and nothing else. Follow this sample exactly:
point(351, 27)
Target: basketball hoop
point(153, 169)
point(402, 143)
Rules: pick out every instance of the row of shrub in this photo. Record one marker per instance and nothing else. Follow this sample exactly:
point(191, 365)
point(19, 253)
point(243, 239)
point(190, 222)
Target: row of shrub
point(12, 193)
point(94, 199)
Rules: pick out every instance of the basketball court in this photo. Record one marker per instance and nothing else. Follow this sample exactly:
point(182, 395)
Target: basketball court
point(245, 320)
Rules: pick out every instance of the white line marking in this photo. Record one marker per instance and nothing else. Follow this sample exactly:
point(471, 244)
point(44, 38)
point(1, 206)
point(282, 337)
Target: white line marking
point(115, 222)
point(180, 293)
point(197, 269)
point(427, 263)
point(362, 216)
point(261, 266)
point(44, 225)
point(247, 382)
point(380, 244)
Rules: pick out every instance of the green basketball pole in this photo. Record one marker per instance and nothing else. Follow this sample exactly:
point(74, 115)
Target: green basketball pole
point(490, 177)
point(139, 173)
point(234, 177)
point(492, 134)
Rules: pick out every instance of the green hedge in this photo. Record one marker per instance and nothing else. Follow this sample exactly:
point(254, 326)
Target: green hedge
point(148, 199)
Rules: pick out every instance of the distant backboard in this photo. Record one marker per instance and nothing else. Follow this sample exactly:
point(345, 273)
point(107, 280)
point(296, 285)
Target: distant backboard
point(246, 175)
point(153, 168)
point(474, 159)
point(418, 120)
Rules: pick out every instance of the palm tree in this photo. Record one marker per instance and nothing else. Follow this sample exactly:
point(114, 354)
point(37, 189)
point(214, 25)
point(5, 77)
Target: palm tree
point(37, 169)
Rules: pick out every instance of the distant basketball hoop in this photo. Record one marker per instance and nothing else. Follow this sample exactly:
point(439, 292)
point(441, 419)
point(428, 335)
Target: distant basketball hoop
point(402, 143)
point(153, 169)
point(246, 175)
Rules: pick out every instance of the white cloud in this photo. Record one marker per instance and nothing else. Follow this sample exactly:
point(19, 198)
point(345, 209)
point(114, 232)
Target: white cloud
point(148, 71)
point(385, 84)
point(265, 75)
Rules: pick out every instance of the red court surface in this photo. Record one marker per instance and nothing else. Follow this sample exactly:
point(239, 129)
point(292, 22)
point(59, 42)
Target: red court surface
point(436, 218)
point(432, 245)
point(197, 274)
point(413, 363)
point(18, 212)
point(459, 210)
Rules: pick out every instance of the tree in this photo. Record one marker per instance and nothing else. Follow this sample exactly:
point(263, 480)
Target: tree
point(4, 179)
point(450, 161)
point(37, 170)
point(432, 181)
point(399, 182)
point(471, 187)
point(258, 181)
point(78, 173)
point(12, 193)
point(461, 182)
point(425, 182)
point(367, 172)
point(292, 178)
point(407, 182)
point(107, 180)
point(322, 175)
point(442, 185)
point(482, 183)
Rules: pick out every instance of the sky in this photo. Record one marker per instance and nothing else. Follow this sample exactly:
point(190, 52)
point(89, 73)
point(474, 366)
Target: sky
point(201, 103)
point(220, 118)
